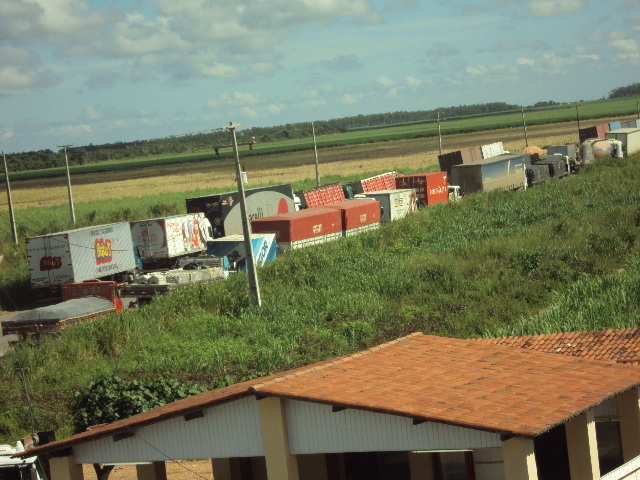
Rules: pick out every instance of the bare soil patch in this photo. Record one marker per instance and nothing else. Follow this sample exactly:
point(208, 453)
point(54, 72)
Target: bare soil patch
point(178, 470)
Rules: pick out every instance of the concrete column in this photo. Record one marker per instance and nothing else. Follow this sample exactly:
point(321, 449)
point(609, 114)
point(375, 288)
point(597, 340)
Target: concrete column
point(313, 467)
point(152, 471)
point(422, 466)
point(281, 465)
point(64, 468)
point(519, 459)
point(488, 464)
point(582, 447)
point(226, 468)
point(628, 404)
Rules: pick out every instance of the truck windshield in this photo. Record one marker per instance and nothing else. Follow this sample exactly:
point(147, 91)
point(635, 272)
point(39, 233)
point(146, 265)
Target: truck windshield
point(16, 472)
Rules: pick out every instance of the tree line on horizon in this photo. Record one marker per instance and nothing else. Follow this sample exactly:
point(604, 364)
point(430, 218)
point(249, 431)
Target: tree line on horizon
point(207, 141)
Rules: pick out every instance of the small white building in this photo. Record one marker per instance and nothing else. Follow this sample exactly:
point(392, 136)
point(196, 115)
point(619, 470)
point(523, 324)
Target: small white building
point(420, 407)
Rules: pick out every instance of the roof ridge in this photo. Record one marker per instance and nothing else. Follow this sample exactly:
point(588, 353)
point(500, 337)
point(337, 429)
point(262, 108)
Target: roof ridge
point(326, 364)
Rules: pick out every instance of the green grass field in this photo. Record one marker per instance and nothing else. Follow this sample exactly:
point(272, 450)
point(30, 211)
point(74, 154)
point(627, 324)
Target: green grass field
point(475, 123)
point(563, 255)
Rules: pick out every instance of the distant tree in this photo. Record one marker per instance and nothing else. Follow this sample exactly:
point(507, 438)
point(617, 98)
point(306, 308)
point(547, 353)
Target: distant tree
point(628, 91)
point(550, 103)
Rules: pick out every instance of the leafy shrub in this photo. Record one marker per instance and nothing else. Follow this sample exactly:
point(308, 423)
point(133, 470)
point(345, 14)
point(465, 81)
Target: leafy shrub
point(113, 398)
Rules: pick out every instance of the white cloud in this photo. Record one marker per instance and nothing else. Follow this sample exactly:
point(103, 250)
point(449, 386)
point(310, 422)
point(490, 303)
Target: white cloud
point(624, 47)
point(413, 81)
point(274, 109)
point(548, 8)
point(22, 78)
point(527, 62)
point(101, 79)
point(477, 70)
point(20, 70)
point(250, 112)
point(68, 131)
point(219, 71)
point(6, 134)
point(385, 81)
point(55, 22)
point(351, 98)
point(92, 113)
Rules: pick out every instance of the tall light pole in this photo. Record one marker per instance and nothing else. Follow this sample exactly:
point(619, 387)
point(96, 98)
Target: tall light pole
point(439, 136)
point(315, 151)
point(66, 163)
point(524, 125)
point(254, 289)
point(11, 217)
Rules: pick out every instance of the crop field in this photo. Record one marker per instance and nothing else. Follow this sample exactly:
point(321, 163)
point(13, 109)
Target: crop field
point(588, 111)
point(218, 174)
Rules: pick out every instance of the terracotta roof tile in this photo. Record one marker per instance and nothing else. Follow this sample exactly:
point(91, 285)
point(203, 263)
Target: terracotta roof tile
point(612, 345)
point(472, 383)
point(490, 387)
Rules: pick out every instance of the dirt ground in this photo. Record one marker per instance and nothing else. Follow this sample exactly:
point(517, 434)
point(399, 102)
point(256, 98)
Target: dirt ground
point(282, 168)
point(179, 470)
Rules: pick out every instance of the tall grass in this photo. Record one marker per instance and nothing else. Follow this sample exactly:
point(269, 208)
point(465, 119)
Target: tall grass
point(496, 262)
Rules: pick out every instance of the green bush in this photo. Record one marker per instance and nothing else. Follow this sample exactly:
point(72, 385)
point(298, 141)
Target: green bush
point(112, 398)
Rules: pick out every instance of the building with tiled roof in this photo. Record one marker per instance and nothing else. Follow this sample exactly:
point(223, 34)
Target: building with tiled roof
point(619, 345)
point(417, 408)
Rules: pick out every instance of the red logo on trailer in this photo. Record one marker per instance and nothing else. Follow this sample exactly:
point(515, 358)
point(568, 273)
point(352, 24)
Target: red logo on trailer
point(50, 263)
point(103, 250)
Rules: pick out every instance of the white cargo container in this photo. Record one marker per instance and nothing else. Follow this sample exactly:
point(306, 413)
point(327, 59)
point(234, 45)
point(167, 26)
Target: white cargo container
point(78, 255)
point(630, 138)
point(492, 150)
point(161, 239)
point(394, 204)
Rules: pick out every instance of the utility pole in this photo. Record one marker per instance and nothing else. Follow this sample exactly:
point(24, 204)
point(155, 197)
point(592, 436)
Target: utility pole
point(524, 125)
point(439, 136)
point(637, 106)
point(254, 288)
point(66, 163)
point(578, 119)
point(11, 217)
point(315, 151)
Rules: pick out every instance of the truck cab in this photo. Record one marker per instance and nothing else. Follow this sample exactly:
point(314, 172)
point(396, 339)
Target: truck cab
point(455, 193)
point(17, 468)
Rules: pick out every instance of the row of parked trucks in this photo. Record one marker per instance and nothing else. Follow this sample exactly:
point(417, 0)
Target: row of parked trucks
point(133, 261)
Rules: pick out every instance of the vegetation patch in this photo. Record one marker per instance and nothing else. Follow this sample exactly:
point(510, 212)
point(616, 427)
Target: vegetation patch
point(563, 255)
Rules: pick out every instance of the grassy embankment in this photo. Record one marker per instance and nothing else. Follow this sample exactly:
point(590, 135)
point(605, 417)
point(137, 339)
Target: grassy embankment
point(473, 123)
point(560, 256)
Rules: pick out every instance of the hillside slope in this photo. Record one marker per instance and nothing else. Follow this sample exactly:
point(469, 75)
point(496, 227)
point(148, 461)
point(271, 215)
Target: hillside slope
point(473, 268)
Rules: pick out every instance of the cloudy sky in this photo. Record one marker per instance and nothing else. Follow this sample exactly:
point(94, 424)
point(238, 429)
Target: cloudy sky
point(90, 71)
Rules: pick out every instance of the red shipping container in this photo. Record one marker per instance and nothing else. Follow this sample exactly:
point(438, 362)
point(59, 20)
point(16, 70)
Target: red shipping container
point(107, 290)
point(301, 225)
point(322, 195)
point(431, 188)
point(358, 213)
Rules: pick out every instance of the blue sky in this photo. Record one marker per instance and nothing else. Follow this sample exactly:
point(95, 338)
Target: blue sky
point(91, 72)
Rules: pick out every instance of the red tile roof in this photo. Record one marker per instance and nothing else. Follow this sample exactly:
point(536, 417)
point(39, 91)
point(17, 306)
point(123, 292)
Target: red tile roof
point(620, 346)
point(461, 382)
